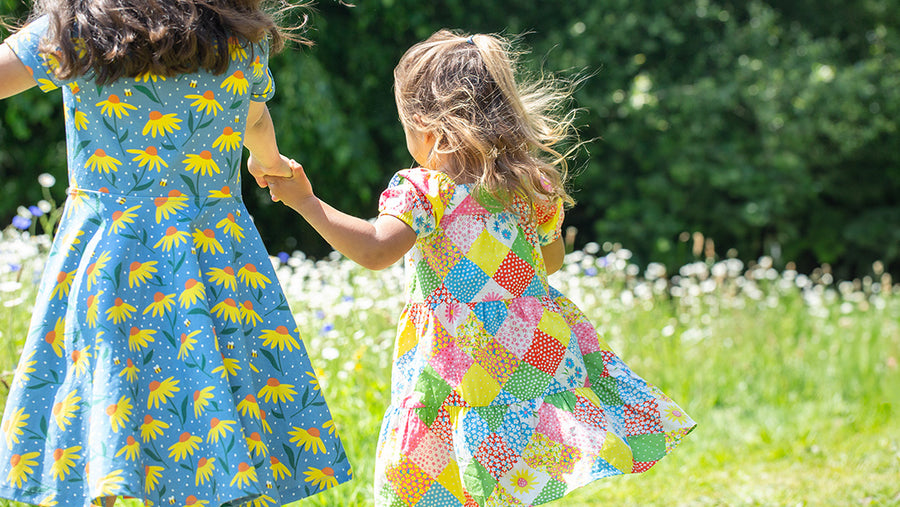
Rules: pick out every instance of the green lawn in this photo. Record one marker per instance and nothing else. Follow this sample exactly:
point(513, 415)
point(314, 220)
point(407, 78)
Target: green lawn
point(793, 380)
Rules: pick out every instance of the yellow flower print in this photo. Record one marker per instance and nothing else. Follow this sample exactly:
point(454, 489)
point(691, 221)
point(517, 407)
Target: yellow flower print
point(63, 461)
point(248, 315)
point(147, 76)
point(229, 226)
point(55, 337)
point(140, 272)
point(120, 311)
point(118, 413)
point(236, 83)
point(675, 414)
point(46, 85)
point(249, 406)
point(308, 439)
point(228, 309)
point(315, 380)
point(187, 344)
point(249, 275)
point(102, 162)
point(148, 157)
point(48, 501)
point(228, 141)
point(329, 425)
point(21, 467)
point(201, 162)
point(93, 269)
point(120, 218)
point(206, 241)
point(166, 206)
point(193, 501)
point(230, 366)
point(186, 445)
point(160, 392)
point(236, 50)
point(152, 428)
point(257, 67)
point(131, 449)
point(246, 474)
point(80, 120)
point(224, 276)
point(279, 471)
point(321, 478)
point(201, 400)
point(279, 337)
point(206, 103)
point(24, 368)
point(219, 429)
point(80, 360)
point(255, 444)
point(65, 409)
point(63, 284)
point(262, 501)
point(151, 477)
point(12, 427)
point(113, 105)
point(162, 304)
point(111, 483)
point(274, 389)
point(205, 469)
point(193, 292)
point(225, 192)
point(130, 370)
point(172, 238)
point(161, 124)
point(523, 481)
point(265, 424)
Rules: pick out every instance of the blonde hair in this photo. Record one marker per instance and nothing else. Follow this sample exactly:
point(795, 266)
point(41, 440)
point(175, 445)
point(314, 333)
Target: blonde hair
point(490, 129)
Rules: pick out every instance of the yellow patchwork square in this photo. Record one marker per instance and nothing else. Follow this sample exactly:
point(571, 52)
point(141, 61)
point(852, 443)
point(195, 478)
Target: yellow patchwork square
point(555, 325)
point(449, 479)
point(478, 388)
point(617, 453)
point(407, 338)
point(487, 253)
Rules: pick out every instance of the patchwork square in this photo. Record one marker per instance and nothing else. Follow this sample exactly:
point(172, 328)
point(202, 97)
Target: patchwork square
point(527, 382)
point(642, 418)
point(487, 252)
point(496, 456)
point(545, 353)
point(465, 280)
point(408, 480)
point(498, 362)
point(514, 274)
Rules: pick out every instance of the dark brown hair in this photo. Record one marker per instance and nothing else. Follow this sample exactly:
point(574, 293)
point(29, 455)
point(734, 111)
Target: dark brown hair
point(127, 38)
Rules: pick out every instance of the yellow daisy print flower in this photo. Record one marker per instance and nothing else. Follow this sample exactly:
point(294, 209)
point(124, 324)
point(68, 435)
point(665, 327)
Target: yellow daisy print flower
point(93, 309)
point(166, 206)
point(120, 218)
point(102, 162)
point(230, 366)
point(205, 469)
point(230, 140)
point(148, 76)
point(256, 445)
point(63, 284)
point(193, 501)
point(80, 360)
point(322, 478)
point(227, 309)
point(248, 315)
point(149, 157)
point(315, 380)
point(675, 414)
point(236, 83)
point(229, 226)
point(250, 276)
point(151, 477)
point(120, 311)
point(223, 277)
point(93, 269)
point(21, 467)
point(24, 368)
point(246, 474)
point(162, 304)
point(249, 406)
point(262, 501)
point(257, 67)
point(80, 119)
point(64, 461)
point(193, 291)
point(219, 429)
point(279, 471)
point(12, 427)
point(201, 162)
point(187, 342)
point(65, 409)
point(206, 241)
point(118, 413)
point(55, 338)
point(139, 339)
point(131, 449)
point(265, 423)
point(111, 483)
point(161, 392)
point(223, 193)
point(130, 371)
point(152, 428)
point(274, 389)
point(236, 50)
point(140, 272)
point(523, 481)
point(184, 447)
point(308, 439)
point(172, 238)
point(205, 103)
point(114, 106)
point(201, 400)
point(279, 337)
point(161, 124)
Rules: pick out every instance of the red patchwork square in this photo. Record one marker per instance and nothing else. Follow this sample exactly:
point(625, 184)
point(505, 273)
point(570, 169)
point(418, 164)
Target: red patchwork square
point(588, 413)
point(641, 466)
point(545, 353)
point(514, 274)
point(642, 419)
point(496, 456)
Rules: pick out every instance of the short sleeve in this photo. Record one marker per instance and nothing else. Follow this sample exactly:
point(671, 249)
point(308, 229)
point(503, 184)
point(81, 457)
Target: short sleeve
point(549, 216)
point(25, 44)
point(417, 197)
point(262, 82)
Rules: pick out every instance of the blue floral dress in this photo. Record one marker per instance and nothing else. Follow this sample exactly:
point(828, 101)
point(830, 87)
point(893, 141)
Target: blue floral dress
point(162, 362)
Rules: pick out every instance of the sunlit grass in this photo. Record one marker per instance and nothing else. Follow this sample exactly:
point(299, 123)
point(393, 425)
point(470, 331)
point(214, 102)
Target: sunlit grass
point(793, 379)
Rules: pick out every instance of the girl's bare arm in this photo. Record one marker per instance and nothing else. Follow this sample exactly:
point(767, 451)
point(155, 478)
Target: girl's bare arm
point(14, 75)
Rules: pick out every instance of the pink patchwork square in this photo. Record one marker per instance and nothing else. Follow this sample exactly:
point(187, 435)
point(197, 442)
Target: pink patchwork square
point(516, 335)
point(549, 422)
point(414, 431)
point(587, 338)
point(431, 454)
point(451, 363)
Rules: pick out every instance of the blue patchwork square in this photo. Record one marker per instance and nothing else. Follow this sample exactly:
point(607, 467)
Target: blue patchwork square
point(465, 280)
point(492, 314)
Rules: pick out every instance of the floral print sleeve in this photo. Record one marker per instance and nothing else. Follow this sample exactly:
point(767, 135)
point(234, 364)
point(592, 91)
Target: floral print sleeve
point(549, 218)
point(25, 43)
point(417, 197)
point(263, 84)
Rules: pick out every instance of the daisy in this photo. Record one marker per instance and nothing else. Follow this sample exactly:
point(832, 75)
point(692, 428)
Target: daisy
point(147, 76)
point(308, 439)
point(24, 368)
point(236, 83)
point(225, 192)
point(55, 337)
point(93, 269)
point(255, 443)
point(236, 50)
point(193, 292)
point(80, 120)
point(102, 162)
point(675, 414)
point(173, 237)
point(321, 478)
point(187, 342)
point(21, 467)
point(201, 400)
point(224, 276)
point(111, 483)
point(249, 275)
point(249, 406)
point(140, 272)
point(230, 366)
point(329, 425)
point(228, 141)
point(192, 501)
point(63, 284)
point(249, 316)
point(201, 162)
point(46, 85)
point(151, 477)
point(169, 204)
point(152, 428)
point(160, 391)
point(219, 429)
point(162, 303)
point(148, 157)
point(262, 501)
point(92, 309)
point(113, 105)
point(48, 501)
point(227, 308)
point(205, 469)
point(279, 471)
point(63, 461)
point(257, 67)
point(65, 409)
point(279, 337)
point(118, 413)
point(246, 474)
point(80, 360)
point(120, 311)
point(229, 226)
point(12, 427)
point(206, 103)
point(131, 449)
point(276, 390)
point(120, 218)
point(206, 241)
point(265, 424)
point(161, 124)
point(130, 370)
point(522, 481)
point(315, 380)
point(186, 445)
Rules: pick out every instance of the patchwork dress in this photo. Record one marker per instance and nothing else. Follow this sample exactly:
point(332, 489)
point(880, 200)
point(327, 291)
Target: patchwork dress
point(162, 362)
point(503, 393)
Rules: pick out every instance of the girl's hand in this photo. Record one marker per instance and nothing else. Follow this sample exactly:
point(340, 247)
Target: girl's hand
point(260, 171)
point(293, 190)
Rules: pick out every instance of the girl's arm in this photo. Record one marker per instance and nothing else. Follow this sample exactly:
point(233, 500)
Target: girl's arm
point(265, 159)
point(14, 76)
point(371, 245)
point(554, 253)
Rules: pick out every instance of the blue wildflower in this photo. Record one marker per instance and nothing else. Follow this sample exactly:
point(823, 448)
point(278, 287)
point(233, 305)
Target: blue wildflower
point(283, 257)
point(35, 211)
point(591, 271)
point(326, 328)
point(21, 223)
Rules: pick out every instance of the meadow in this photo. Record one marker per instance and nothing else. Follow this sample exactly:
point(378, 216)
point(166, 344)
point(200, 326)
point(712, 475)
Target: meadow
point(792, 377)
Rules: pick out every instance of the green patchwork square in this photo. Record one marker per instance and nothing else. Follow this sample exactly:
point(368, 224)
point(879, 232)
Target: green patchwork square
point(478, 482)
point(594, 365)
point(390, 498)
point(553, 490)
point(427, 278)
point(523, 249)
point(607, 388)
point(527, 382)
point(434, 389)
point(650, 447)
point(492, 415)
point(564, 401)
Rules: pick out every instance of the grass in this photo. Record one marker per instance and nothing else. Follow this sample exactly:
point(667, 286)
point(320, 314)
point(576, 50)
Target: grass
point(792, 379)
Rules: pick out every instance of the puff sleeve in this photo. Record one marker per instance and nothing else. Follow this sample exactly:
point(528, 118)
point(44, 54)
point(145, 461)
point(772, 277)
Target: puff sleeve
point(25, 44)
point(418, 197)
point(262, 83)
point(549, 217)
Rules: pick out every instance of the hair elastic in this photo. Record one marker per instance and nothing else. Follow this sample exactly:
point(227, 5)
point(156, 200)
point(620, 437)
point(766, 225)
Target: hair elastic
point(471, 40)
